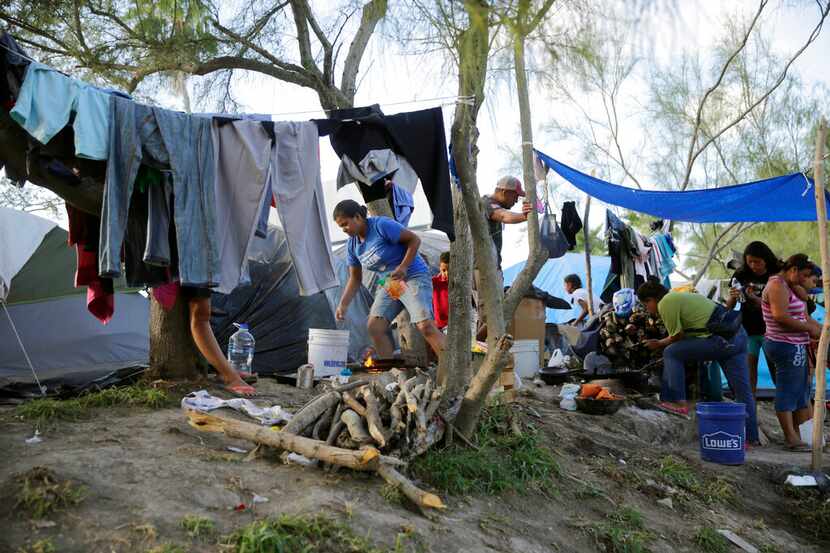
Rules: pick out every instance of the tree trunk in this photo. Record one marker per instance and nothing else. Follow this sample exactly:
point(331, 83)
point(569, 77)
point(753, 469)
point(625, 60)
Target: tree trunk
point(536, 255)
point(454, 370)
point(586, 234)
point(173, 354)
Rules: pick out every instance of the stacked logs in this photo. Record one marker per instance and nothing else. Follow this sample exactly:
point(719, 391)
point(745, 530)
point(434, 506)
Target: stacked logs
point(363, 425)
point(395, 413)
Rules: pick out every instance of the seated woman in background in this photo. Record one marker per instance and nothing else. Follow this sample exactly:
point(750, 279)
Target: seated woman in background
point(579, 297)
point(788, 332)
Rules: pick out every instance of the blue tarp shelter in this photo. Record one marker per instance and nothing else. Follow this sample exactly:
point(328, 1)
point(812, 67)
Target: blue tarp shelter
point(779, 199)
point(550, 279)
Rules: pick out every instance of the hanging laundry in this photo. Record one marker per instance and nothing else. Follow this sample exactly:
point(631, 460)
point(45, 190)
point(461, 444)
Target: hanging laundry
point(298, 191)
point(47, 101)
point(665, 247)
point(571, 223)
point(13, 66)
point(417, 136)
point(403, 204)
point(169, 140)
point(377, 165)
point(242, 152)
point(83, 234)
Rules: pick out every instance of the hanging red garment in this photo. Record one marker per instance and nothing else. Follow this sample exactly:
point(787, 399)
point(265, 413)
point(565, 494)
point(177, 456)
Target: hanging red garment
point(83, 233)
point(441, 300)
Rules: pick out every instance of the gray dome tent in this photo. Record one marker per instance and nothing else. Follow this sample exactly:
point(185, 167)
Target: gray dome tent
point(69, 349)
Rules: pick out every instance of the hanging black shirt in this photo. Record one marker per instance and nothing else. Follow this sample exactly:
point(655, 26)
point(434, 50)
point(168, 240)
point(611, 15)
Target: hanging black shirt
point(418, 136)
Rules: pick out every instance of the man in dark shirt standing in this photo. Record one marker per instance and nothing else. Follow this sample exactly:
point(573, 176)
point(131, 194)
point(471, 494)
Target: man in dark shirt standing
point(497, 210)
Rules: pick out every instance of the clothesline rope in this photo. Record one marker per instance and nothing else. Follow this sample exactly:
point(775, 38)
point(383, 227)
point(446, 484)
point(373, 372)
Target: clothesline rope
point(40, 386)
point(455, 100)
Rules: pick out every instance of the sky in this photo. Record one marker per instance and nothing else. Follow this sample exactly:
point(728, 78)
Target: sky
point(405, 83)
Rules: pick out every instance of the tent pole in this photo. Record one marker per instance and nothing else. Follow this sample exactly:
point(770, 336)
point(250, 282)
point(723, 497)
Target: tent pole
point(40, 387)
point(587, 236)
point(821, 355)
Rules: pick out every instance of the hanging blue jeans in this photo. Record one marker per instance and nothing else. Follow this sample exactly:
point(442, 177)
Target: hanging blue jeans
point(731, 354)
point(164, 139)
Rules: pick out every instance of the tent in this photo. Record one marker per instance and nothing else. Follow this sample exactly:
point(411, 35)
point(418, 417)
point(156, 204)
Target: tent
point(779, 199)
point(68, 348)
point(551, 279)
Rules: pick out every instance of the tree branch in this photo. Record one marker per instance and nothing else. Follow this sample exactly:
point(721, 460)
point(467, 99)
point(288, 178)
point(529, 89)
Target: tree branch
point(373, 12)
point(691, 157)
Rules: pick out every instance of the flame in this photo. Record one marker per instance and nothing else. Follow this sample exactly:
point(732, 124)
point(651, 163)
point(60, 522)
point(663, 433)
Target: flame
point(369, 363)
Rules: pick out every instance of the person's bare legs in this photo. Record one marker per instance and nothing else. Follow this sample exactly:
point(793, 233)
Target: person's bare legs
point(378, 327)
point(436, 339)
point(785, 419)
point(208, 346)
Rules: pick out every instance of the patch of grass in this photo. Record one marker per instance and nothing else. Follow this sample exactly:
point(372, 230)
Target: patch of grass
point(40, 492)
point(40, 546)
point(504, 462)
point(810, 511)
point(391, 494)
point(198, 527)
point(623, 531)
point(709, 541)
point(677, 473)
point(768, 548)
point(135, 395)
point(303, 533)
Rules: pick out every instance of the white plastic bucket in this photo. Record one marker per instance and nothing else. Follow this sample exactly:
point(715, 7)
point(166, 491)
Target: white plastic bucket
point(525, 357)
point(328, 351)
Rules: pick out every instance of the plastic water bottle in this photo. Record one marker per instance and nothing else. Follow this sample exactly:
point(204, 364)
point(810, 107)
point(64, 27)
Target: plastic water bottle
point(241, 349)
point(395, 288)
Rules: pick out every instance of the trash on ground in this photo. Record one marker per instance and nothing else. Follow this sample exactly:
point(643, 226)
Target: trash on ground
point(35, 439)
point(202, 401)
point(807, 480)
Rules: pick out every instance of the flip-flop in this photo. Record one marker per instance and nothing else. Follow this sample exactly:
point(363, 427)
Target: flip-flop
point(799, 448)
point(248, 378)
point(241, 390)
point(682, 412)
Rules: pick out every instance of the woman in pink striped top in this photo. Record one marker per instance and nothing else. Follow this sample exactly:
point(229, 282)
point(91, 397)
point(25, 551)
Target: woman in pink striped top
point(788, 332)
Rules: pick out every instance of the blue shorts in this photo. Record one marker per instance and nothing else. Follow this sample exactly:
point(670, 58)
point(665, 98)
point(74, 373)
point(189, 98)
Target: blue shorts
point(417, 300)
point(792, 390)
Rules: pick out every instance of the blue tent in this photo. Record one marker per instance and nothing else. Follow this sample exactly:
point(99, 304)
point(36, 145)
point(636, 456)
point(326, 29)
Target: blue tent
point(550, 279)
point(779, 199)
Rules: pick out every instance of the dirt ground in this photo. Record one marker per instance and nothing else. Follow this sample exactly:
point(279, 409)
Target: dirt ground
point(144, 470)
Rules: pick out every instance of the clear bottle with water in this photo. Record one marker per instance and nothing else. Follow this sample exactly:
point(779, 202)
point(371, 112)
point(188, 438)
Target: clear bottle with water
point(241, 349)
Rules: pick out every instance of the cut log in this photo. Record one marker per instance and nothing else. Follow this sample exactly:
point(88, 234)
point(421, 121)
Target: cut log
point(357, 430)
point(376, 428)
point(353, 404)
point(324, 422)
point(349, 386)
point(335, 421)
point(364, 460)
point(335, 431)
point(418, 496)
point(306, 416)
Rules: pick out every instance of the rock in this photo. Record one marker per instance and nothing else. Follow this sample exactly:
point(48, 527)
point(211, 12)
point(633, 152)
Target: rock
point(666, 502)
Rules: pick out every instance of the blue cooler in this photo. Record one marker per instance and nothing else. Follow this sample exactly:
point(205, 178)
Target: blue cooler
point(722, 430)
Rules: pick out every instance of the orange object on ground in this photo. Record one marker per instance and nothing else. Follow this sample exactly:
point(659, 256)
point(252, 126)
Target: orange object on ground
point(589, 390)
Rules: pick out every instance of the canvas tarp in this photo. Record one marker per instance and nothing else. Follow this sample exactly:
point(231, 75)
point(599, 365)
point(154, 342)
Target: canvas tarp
point(779, 199)
point(22, 234)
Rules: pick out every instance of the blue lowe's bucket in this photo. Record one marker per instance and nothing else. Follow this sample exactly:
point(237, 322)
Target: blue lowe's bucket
point(722, 430)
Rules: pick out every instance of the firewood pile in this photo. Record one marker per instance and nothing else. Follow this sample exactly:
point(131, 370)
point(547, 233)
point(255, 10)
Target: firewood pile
point(364, 425)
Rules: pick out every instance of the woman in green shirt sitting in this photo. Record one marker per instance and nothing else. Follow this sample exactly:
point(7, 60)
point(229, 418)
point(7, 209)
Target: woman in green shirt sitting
point(686, 316)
